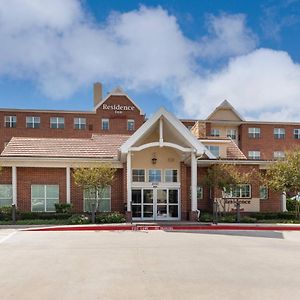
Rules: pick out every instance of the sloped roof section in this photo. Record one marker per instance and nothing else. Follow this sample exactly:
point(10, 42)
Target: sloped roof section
point(99, 146)
point(234, 152)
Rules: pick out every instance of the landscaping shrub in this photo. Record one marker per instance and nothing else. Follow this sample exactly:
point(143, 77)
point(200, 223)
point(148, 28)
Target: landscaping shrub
point(206, 217)
point(43, 216)
point(63, 208)
point(291, 204)
point(78, 219)
point(113, 217)
point(5, 213)
point(247, 219)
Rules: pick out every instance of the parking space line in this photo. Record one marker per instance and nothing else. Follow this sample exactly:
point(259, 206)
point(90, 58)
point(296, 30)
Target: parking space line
point(7, 237)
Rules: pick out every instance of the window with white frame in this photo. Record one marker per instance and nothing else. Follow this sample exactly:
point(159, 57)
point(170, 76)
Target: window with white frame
point(5, 195)
point(80, 123)
point(279, 155)
point(10, 121)
point(232, 133)
point(215, 150)
point(254, 154)
point(215, 132)
point(101, 200)
point(154, 175)
point(279, 133)
point(263, 192)
point(297, 133)
point(105, 124)
point(44, 197)
point(130, 125)
point(138, 175)
point(57, 122)
point(33, 122)
point(239, 191)
point(254, 132)
point(171, 175)
point(199, 192)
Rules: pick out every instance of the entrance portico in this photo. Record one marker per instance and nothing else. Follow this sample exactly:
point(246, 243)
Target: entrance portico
point(154, 155)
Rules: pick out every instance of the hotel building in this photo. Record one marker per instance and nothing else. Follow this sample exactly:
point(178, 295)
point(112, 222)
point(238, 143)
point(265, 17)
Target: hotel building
point(160, 161)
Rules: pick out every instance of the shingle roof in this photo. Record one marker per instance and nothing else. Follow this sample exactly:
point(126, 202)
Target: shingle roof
point(99, 146)
point(234, 152)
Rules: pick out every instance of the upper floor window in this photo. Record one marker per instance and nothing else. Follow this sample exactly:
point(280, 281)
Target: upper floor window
point(138, 175)
point(171, 175)
point(215, 150)
point(57, 122)
point(263, 192)
point(215, 132)
point(231, 133)
point(79, 123)
point(10, 121)
point(279, 155)
point(297, 134)
point(130, 125)
point(33, 122)
point(105, 124)
point(254, 132)
point(154, 175)
point(254, 154)
point(240, 191)
point(279, 133)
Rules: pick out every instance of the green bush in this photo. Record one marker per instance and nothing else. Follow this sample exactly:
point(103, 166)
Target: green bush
point(247, 219)
point(63, 208)
point(78, 219)
point(273, 216)
point(113, 217)
point(5, 213)
point(43, 216)
point(291, 204)
point(206, 217)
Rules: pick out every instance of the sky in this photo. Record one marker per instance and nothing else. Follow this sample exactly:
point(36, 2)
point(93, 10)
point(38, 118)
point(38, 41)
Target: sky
point(188, 55)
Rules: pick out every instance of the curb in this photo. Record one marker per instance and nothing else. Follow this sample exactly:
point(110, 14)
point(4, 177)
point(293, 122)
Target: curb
point(166, 228)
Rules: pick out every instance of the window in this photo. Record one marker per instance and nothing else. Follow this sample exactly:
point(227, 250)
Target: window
point(79, 123)
point(138, 175)
point(279, 155)
point(254, 154)
point(171, 175)
point(33, 122)
point(57, 122)
point(279, 133)
point(199, 192)
point(130, 125)
point(297, 134)
point(44, 197)
point(105, 124)
point(215, 150)
point(254, 132)
point(231, 133)
point(5, 195)
point(154, 175)
point(10, 121)
point(103, 204)
point(263, 192)
point(240, 191)
point(215, 132)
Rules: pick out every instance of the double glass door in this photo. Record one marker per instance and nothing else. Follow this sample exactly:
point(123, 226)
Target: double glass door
point(155, 204)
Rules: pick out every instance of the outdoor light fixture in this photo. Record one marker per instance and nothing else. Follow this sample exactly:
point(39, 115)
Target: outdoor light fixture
point(154, 159)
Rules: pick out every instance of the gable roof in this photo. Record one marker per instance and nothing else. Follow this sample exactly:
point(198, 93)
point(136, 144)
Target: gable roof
point(118, 91)
point(225, 105)
point(177, 125)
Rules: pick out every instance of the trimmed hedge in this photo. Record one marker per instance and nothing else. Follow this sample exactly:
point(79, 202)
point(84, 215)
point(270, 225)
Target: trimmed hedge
point(113, 217)
point(43, 216)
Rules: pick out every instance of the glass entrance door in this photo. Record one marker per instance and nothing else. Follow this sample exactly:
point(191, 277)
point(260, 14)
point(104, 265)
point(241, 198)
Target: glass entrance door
point(167, 204)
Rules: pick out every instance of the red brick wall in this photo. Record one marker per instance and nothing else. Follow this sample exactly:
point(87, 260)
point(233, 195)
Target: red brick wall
point(6, 176)
point(118, 123)
point(267, 144)
point(184, 197)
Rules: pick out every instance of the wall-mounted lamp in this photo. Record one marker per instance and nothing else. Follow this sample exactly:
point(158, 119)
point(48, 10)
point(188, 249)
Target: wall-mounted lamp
point(154, 159)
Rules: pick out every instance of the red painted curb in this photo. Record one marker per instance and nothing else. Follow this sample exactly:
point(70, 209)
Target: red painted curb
point(167, 228)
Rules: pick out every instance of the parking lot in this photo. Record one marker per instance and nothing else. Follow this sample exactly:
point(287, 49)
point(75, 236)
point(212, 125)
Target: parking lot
point(149, 265)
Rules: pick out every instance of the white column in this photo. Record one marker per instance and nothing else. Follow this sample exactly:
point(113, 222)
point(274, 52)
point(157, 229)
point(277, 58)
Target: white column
point(129, 181)
point(161, 134)
point(193, 182)
point(283, 201)
point(68, 184)
point(14, 185)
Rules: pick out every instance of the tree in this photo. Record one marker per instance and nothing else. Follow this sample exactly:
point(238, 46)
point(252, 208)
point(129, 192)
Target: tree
point(94, 181)
point(284, 175)
point(227, 177)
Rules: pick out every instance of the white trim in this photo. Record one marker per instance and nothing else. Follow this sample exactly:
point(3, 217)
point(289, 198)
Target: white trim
point(225, 105)
point(194, 205)
point(129, 181)
point(161, 135)
point(14, 185)
point(163, 144)
point(68, 185)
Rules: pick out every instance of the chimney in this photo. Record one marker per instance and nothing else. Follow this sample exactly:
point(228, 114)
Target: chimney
point(97, 93)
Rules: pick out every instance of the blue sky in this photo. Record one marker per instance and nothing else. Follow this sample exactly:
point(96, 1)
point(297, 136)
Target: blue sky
point(186, 55)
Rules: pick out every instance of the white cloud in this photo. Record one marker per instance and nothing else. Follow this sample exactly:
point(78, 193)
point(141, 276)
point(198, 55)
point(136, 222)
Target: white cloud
point(61, 48)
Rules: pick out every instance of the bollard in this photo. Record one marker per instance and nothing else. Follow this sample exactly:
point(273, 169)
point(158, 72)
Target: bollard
point(13, 213)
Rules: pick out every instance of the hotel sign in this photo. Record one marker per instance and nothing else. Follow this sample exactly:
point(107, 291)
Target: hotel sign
point(118, 108)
